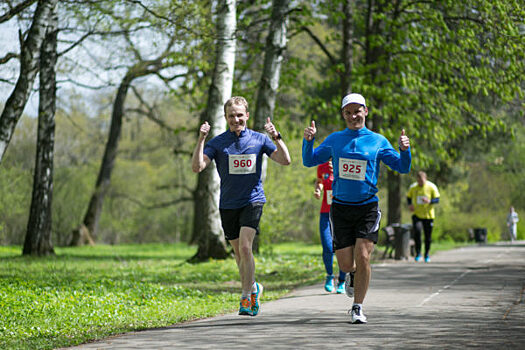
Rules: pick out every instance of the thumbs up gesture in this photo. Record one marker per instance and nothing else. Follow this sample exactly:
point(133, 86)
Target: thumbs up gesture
point(404, 141)
point(270, 128)
point(309, 132)
point(204, 130)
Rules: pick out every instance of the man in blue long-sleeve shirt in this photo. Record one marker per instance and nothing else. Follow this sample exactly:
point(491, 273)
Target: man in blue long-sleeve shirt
point(356, 153)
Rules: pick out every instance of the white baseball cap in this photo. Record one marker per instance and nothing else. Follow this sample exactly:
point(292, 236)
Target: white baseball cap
point(353, 98)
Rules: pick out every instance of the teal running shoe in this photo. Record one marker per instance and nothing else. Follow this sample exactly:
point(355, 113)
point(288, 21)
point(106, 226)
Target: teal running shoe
point(427, 259)
point(245, 308)
point(329, 284)
point(340, 287)
point(417, 258)
point(255, 298)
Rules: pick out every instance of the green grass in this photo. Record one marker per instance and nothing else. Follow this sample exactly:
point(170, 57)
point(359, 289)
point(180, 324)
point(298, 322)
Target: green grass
point(88, 293)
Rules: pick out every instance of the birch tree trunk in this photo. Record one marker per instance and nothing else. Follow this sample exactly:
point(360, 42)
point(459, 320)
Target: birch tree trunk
point(29, 60)
point(273, 58)
point(38, 236)
point(207, 227)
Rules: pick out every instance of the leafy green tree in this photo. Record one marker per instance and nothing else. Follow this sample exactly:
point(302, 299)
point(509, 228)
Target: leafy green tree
point(424, 66)
point(139, 67)
point(206, 219)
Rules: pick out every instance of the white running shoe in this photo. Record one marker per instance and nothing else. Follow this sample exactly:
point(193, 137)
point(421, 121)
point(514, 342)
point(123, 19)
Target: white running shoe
point(349, 284)
point(357, 314)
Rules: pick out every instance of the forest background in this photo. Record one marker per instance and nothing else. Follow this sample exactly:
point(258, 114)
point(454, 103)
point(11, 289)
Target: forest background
point(449, 73)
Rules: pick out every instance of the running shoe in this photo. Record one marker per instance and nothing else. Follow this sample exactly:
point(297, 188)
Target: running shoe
point(417, 258)
point(245, 308)
point(329, 284)
point(427, 259)
point(357, 314)
point(349, 284)
point(254, 300)
point(340, 287)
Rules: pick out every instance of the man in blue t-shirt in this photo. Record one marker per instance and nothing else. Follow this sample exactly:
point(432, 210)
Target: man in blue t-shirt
point(238, 154)
point(356, 153)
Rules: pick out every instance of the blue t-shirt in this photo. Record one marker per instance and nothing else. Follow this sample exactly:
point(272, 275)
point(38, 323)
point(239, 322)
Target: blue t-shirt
point(239, 161)
point(356, 155)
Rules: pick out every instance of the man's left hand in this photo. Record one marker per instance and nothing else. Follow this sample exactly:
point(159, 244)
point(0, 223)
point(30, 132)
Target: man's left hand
point(270, 128)
point(404, 141)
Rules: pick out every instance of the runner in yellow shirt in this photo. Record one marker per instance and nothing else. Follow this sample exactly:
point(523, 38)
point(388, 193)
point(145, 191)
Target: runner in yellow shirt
point(421, 197)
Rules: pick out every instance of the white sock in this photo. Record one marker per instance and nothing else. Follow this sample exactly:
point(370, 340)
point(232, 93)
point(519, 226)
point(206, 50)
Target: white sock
point(246, 294)
point(254, 287)
point(360, 305)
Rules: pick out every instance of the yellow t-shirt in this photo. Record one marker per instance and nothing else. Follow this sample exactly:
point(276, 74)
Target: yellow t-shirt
point(416, 193)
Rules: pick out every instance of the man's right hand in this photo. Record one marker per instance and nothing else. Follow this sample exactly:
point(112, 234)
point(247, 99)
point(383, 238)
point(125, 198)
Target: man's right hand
point(309, 132)
point(204, 130)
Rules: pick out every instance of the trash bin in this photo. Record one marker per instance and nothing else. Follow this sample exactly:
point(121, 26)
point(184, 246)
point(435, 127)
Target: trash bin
point(402, 240)
point(480, 235)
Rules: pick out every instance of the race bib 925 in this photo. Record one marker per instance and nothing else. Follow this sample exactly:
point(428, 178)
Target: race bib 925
point(352, 169)
point(240, 164)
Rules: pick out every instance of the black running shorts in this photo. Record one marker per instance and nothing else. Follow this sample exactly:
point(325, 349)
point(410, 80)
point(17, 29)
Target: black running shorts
point(350, 222)
point(233, 219)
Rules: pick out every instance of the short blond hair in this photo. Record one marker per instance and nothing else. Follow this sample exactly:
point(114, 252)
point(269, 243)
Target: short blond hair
point(235, 100)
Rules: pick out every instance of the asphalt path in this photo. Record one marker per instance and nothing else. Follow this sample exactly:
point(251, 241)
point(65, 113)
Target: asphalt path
point(467, 298)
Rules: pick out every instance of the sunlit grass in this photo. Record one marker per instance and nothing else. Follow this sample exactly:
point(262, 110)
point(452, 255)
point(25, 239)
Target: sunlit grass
point(87, 293)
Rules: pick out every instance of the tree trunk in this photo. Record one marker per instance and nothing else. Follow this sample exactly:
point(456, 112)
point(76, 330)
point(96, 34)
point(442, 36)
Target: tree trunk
point(207, 225)
point(38, 236)
point(29, 60)
point(394, 197)
point(273, 58)
point(348, 36)
point(92, 216)
point(94, 210)
point(80, 237)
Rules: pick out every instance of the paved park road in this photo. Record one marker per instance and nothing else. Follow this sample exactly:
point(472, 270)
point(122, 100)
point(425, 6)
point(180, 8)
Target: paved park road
point(466, 298)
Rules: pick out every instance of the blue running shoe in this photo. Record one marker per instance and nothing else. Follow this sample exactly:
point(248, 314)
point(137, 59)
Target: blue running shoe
point(427, 259)
point(417, 258)
point(254, 300)
point(329, 284)
point(245, 308)
point(340, 287)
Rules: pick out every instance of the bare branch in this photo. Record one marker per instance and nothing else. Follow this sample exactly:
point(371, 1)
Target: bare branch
point(149, 112)
point(157, 15)
point(16, 10)
point(154, 206)
point(74, 82)
point(332, 59)
point(169, 204)
point(8, 57)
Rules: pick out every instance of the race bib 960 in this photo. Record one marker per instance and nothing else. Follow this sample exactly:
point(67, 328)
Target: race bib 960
point(240, 164)
point(352, 169)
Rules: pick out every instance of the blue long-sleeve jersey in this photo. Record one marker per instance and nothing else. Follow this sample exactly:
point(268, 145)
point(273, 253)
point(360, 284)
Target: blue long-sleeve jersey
point(356, 156)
